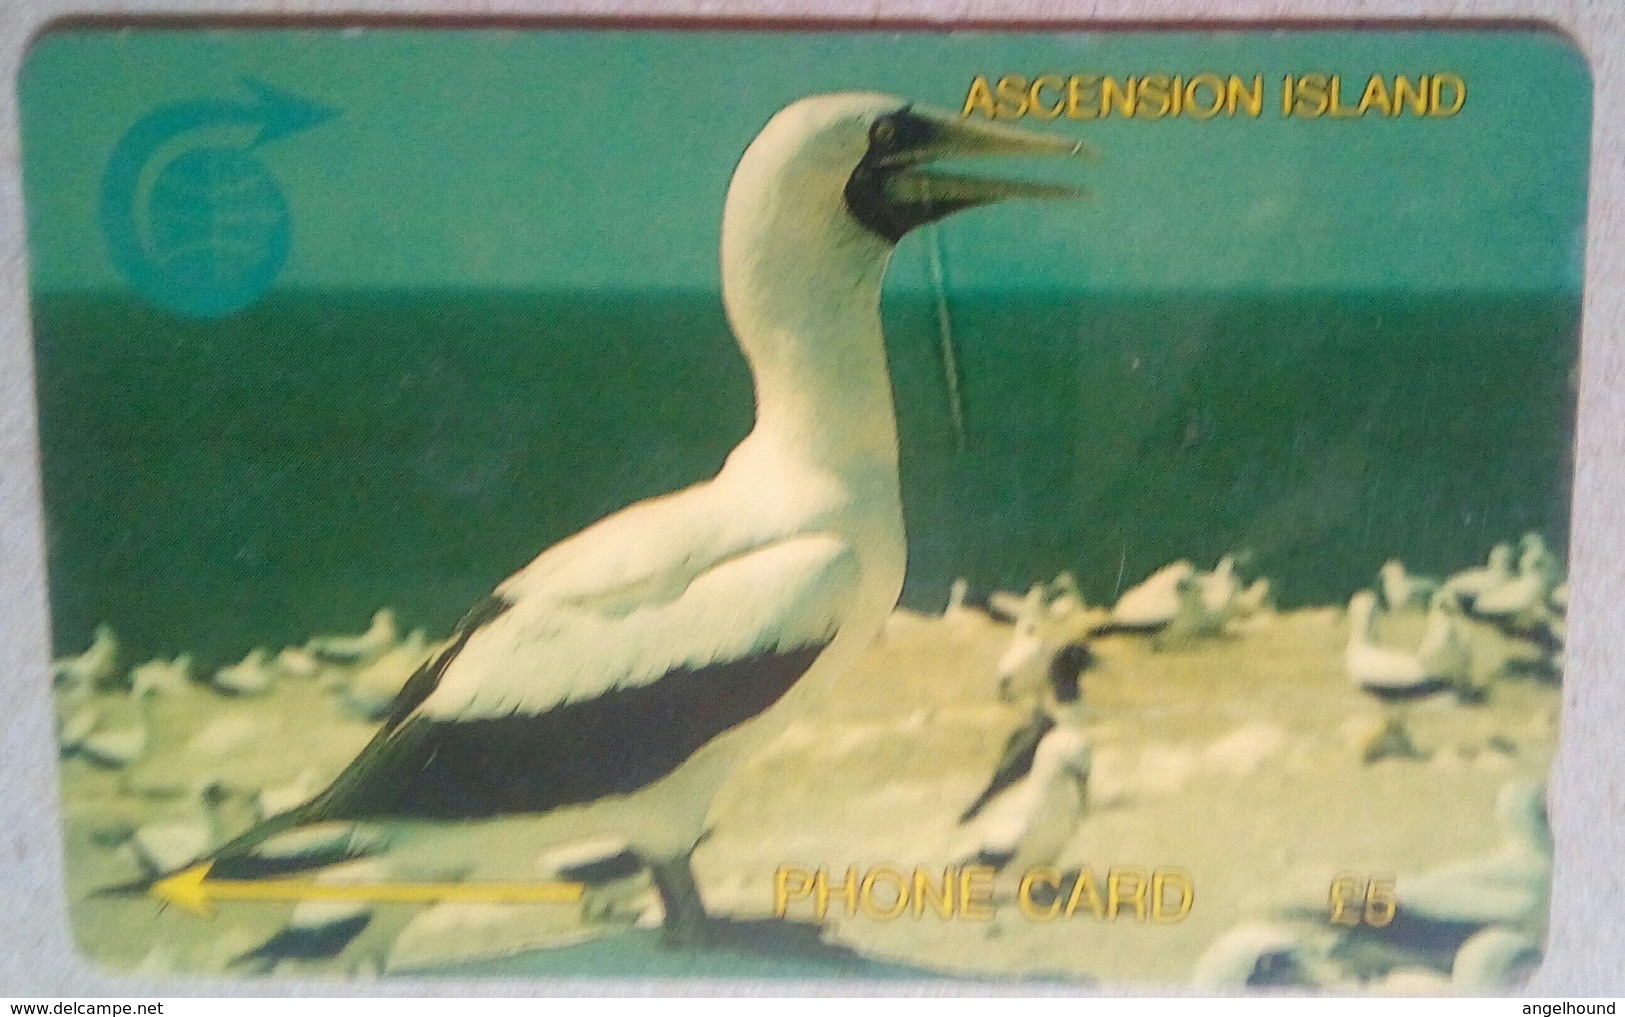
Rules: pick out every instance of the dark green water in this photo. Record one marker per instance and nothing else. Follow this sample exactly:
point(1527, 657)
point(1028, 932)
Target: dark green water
point(211, 486)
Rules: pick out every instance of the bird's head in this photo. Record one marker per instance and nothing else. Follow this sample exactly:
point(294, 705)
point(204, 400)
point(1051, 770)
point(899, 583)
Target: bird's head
point(865, 157)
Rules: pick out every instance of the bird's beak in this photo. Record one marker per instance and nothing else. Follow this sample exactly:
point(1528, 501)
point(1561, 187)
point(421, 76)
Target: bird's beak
point(896, 191)
point(953, 138)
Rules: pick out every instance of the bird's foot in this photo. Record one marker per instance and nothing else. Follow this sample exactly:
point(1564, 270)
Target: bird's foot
point(1393, 740)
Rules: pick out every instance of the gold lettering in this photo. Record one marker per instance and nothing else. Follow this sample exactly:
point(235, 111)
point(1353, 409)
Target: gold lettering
point(1406, 94)
point(1311, 99)
point(1082, 96)
point(1336, 108)
point(1458, 95)
point(1153, 98)
point(1237, 93)
point(1171, 879)
point(1012, 97)
point(899, 902)
point(848, 890)
point(1035, 98)
point(1119, 95)
point(979, 98)
point(782, 894)
point(976, 893)
point(1024, 895)
point(941, 897)
point(1116, 882)
point(1375, 96)
point(1084, 886)
point(1214, 85)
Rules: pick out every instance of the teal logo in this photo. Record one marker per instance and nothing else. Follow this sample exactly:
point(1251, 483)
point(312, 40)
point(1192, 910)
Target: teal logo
point(192, 217)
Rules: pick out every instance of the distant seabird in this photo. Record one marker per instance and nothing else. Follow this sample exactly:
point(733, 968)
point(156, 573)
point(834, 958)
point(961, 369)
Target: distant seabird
point(1153, 604)
point(1521, 606)
point(1258, 954)
point(1509, 886)
point(1032, 805)
point(162, 677)
point(171, 842)
point(1220, 587)
point(1402, 590)
point(1446, 915)
point(1466, 587)
point(613, 684)
point(1393, 676)
point(251, 676)
point(1026, 643)
point(361, 648)
point(95, 667)
point(370, 692)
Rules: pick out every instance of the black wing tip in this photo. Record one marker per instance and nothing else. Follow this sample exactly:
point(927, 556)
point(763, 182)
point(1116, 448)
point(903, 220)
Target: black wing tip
point(598, 871)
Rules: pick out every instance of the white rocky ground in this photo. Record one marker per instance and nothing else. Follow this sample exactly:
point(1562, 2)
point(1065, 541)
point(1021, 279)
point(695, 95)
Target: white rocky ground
point(1235, 759)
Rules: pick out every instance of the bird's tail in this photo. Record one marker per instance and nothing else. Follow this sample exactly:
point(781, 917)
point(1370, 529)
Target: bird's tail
point(234, 858)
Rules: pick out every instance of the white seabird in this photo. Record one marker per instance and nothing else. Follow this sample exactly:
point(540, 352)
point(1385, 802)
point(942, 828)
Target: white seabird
point(1026, 643)
point(96, 666)
point(613, 684)
point(1032, 805)
point(1220, 587)
point(173, 841)
point(251, 676)
point(162, 677)
point(380, 635)
point(1466, 587)
point(1153, 604)
point(1393, 676)
point(1509, 886)
point(1521, 605)
point(1401, 589)
point(1256, 954)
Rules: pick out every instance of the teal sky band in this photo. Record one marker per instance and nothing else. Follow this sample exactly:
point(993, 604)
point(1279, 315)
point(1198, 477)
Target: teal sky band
point(597, 160)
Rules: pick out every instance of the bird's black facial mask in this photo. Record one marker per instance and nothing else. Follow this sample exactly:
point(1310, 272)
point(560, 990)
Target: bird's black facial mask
point(890, 138)
point(890, 194)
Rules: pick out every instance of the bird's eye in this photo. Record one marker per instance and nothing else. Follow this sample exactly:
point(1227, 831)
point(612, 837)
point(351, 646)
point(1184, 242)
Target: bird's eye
point(883, 131)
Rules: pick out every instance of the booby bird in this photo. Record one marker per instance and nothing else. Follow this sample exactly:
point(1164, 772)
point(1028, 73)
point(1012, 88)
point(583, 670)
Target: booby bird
point(162, 677)
point(171, 842)
point(1221, 586)
point(1255, 954)
point(1445, 913)
point(361, 648)
point(1032, 805)
point(371, 691)
point(1401, 589)
point(1152, 605)
point(1026, 644)
point(96, 666)
point(957, 612)
point(251, 676)
point(1466, 587)
point(1508, 886)
point(614, 683)
point(1521, 605)
point(1440, 663)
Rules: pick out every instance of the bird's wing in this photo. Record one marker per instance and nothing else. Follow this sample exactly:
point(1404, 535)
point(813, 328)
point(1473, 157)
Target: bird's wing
point(544, 701)
point(1015, 763)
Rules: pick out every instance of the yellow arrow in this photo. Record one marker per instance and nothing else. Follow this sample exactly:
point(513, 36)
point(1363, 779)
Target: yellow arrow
point(195, 892)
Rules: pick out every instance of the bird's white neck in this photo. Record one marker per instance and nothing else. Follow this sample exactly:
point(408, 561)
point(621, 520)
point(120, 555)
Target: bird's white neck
point(801, 284)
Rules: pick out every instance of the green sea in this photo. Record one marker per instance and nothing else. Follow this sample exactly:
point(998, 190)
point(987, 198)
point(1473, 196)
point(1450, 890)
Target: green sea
point(211, 486)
